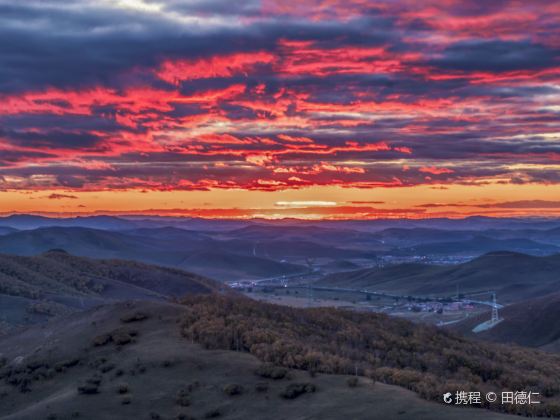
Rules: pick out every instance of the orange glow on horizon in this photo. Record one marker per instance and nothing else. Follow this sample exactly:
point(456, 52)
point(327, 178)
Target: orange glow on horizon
point(312, 203)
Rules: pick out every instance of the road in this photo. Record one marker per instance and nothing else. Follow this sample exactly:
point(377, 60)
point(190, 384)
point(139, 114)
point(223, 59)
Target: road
point(281, 281)
point(382, 294)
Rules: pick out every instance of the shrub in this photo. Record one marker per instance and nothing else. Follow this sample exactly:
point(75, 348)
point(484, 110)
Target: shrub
point(261, 387)
point(352, 382)
point(134, 317)
point(183, 416)
point(295, 390)
point(233, 389)
point(107, 367)
point(271, 372)
point(120, 337)
point(101, 340)
point(212, 414)
point(62, 366)
point(123, 336)
point(88, 388)
point(183, 398)
point(94, 380)
point(122, 388)
point(166, 363)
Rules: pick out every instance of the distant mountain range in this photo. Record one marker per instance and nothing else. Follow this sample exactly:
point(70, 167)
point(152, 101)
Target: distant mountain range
point(474, 223)
point(232, 250)
point(26, 222)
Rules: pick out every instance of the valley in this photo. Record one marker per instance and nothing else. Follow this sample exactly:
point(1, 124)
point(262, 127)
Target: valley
point(259, 293)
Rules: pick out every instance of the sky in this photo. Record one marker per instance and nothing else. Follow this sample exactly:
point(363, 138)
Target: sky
point(265, 108)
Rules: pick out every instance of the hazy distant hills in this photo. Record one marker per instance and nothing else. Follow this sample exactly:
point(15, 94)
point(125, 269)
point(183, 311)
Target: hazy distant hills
point(479, 245)
point(53, 283)
point(25, 221)
point(5, 230)
point(513, 276)
point(475, 235)
point(231, 250)
point(475, 223)
point(80, 241)
point(229, 266)
point(166, 246)
point(324, 235)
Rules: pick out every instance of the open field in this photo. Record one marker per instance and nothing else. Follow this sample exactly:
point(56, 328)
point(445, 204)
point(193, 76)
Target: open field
point(301, 298)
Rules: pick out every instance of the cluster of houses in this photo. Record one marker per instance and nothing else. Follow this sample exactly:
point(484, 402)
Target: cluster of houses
point(439, 307)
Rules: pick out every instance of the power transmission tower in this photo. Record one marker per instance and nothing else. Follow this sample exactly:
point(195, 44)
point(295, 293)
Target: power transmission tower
point(495, 316)
point(310, 262)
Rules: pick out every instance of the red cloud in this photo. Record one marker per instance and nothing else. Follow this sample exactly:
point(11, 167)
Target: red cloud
point(218, 66)
point(435, 171)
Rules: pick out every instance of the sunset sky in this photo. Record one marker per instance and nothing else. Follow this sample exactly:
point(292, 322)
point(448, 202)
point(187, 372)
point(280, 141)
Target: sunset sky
point(261, 108)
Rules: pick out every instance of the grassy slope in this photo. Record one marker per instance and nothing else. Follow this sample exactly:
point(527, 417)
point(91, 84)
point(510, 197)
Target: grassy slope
point(170, 247)
point(169, 363)
point(56, 282)
point(532, 323)
point(423, 358)
point(514, 276)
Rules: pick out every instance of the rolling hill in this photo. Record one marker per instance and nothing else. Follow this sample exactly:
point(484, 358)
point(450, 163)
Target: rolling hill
point(33, 289)
point(168, 246)
point(513, 276)
point(479, 245)
point(327, 340)
point(532, 322)
point(403, 237)
point(338, 237)
point(6, 230)
point(136, 360)
point(224, 266)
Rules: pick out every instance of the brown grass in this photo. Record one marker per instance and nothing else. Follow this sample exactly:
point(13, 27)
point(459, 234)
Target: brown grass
point(422, 358)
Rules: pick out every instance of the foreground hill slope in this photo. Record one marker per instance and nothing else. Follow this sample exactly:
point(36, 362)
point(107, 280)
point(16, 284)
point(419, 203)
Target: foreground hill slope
point(514, 276)
point(58, 372)
point(422, 358)
point(55, 283)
